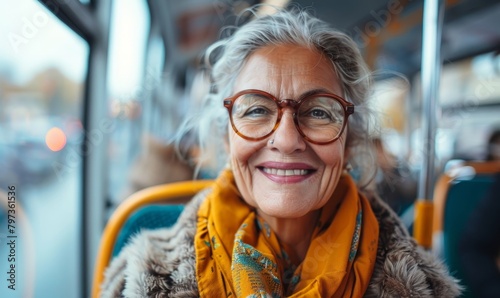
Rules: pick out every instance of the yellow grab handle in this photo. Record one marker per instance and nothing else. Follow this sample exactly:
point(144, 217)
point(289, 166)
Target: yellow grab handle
point(422, 227)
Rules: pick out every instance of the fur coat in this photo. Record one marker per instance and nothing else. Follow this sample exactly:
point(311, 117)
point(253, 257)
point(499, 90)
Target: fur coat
point(161, 263)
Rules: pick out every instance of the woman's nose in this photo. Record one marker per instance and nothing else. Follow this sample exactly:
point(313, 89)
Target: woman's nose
point(287, 138)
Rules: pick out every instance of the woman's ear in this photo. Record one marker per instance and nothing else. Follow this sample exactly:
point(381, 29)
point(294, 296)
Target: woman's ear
point(227, 148)
point(347, 152)
point(226, 143)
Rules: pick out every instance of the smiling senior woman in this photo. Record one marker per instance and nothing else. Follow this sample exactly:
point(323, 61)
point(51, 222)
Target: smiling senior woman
point(284, 217)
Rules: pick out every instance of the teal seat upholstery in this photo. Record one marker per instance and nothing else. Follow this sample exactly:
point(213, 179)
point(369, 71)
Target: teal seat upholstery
point(150, 208)
point(462, 198)
point(147, 218)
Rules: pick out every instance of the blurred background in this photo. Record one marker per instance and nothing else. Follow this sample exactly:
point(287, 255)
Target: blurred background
point(91, 92)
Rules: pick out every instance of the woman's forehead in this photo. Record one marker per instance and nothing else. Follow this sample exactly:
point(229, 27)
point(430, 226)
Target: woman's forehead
point(287, 68)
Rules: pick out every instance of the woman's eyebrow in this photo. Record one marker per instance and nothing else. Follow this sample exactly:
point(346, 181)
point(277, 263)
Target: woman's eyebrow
point(315, 91)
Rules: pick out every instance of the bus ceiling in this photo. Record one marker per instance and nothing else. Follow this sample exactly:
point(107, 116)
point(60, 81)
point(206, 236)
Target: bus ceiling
point(389, 32)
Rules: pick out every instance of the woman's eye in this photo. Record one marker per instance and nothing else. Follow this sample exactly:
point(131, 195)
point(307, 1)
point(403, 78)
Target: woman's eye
point(256, 111)
point(319, 114)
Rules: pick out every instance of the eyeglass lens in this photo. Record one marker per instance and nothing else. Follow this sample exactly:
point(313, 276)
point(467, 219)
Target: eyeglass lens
point(320, 118)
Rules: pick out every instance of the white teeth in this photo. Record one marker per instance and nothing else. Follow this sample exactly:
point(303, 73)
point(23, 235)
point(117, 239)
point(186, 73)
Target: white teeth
point(281, 172)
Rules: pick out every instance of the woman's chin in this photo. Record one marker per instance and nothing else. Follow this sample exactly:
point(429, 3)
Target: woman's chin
point(282, 212)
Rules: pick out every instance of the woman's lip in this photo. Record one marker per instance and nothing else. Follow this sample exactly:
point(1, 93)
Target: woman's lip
point(285, 173)
point(285, 165)
point(282, 177)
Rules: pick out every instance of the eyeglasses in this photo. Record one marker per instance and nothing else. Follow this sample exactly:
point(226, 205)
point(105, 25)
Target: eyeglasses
point(320, 118)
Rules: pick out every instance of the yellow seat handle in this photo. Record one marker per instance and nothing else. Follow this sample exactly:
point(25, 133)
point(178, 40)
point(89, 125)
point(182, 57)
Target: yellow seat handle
point(165, 193)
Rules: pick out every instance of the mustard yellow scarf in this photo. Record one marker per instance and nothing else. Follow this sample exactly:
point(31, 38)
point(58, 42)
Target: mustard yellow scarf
point(238, 255)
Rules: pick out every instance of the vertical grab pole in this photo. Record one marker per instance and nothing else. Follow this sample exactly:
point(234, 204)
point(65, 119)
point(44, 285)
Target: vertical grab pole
point(431, 68)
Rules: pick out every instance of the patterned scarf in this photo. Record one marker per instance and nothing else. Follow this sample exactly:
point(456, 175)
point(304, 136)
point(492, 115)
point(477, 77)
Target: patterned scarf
point(237, 254)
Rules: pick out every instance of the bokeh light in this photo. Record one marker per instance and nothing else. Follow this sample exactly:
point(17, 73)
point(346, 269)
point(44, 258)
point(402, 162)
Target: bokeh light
point(55, 139)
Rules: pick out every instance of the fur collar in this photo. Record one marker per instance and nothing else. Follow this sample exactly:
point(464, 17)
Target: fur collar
point(161, 263)
point(402, 268)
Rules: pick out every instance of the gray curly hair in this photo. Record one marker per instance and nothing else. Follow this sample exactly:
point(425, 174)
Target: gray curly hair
point(226, 58)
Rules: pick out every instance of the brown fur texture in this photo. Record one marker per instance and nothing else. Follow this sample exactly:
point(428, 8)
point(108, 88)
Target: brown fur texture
point(161, 263)
point(404, 269)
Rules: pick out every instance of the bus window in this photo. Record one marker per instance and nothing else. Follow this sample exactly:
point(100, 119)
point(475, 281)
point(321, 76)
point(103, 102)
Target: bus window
point(474, 115)
point(127, 88)
point(469, 99)
point(42, 80)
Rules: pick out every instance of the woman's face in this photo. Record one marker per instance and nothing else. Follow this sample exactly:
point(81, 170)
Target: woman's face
point(290, 177)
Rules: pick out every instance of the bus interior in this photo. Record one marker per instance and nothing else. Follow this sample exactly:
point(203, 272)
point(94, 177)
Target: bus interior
point(92, 91)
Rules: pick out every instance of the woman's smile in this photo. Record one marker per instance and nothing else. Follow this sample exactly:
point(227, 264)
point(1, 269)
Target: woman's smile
point(279, 172)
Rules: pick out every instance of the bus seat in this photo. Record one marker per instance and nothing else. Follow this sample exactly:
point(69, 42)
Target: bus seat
point(153, 207)
point(456, 195)
point(148, 217)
